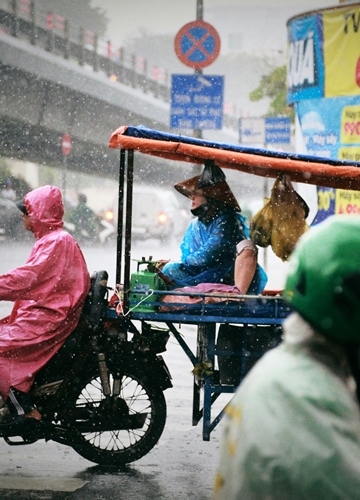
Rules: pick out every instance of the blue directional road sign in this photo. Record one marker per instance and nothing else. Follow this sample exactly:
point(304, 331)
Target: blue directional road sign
point(277, 130)
point(251, 130)
point(196, 102)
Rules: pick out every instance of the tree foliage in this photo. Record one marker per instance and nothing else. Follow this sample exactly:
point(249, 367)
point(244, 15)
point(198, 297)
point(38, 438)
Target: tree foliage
point(274, 86)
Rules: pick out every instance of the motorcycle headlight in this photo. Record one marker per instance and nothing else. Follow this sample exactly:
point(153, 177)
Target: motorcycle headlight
point(109, 215)
point(162, 217)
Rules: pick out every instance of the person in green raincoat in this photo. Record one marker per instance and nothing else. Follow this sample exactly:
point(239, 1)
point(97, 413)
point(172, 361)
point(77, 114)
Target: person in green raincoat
point(292, 430)
point(84, 220)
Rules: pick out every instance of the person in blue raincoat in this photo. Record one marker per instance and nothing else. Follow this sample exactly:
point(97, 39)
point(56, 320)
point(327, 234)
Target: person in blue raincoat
point(216, 239)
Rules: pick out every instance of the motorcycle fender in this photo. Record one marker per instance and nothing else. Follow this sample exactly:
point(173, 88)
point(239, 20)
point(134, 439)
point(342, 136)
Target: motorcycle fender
point(157, 370)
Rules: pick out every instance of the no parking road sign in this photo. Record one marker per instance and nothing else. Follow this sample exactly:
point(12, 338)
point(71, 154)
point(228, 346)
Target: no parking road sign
point(197, 44)
point(66, 144)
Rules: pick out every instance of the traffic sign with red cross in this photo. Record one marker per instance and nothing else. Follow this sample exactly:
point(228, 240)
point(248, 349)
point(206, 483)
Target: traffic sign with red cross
point(197, 44)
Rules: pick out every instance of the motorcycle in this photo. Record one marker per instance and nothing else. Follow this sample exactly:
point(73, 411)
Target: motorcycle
point(105, 232)
point(101, 394)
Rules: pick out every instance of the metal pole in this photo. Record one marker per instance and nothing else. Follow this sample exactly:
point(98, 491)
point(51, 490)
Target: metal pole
point(82, 46)
point(266, 194)
point(50, 32)
point(128, 222)
point(199, 17)
point(120, 224)
point(95, 54)
point(15, 12)
point(67, 39)
point(33, 22)
point(199, 10)
point(64, 172)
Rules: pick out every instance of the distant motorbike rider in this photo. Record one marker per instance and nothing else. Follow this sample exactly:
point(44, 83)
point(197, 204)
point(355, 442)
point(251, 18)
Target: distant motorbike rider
point(84, 220)
point(8, 190)
point(49, 291)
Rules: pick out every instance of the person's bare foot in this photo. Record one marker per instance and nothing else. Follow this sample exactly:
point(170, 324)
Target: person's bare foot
point(33, 414)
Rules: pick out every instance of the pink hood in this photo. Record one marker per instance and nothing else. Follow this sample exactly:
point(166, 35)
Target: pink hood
point(45, 208)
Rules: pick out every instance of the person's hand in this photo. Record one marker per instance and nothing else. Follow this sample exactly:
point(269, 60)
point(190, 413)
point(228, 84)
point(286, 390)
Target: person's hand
point(155, 269)
point(161, 263)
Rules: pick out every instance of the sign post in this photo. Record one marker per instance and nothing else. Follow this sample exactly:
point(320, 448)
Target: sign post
point(197, 45)
point(66, 146)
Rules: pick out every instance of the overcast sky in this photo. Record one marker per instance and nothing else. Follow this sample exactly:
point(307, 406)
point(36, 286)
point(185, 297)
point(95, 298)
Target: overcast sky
point(168, 16)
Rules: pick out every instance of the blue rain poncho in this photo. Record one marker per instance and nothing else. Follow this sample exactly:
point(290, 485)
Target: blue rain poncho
point(208, 252)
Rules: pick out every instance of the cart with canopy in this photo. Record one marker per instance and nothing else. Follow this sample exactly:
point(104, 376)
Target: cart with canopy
point(257, 319)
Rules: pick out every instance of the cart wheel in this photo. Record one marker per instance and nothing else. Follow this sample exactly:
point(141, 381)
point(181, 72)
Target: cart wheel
point(122, 428)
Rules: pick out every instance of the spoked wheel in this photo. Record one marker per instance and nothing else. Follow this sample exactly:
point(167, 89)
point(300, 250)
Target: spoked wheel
point(123, 427)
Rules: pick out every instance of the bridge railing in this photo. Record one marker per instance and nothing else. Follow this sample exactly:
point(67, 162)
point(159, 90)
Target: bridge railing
point(21, 19)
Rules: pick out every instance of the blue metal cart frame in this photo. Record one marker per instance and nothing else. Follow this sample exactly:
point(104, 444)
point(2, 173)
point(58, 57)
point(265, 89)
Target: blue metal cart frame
point(247, 310)
point(269, 312)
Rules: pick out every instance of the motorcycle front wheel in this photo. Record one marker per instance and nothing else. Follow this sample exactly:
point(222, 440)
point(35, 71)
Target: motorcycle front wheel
point(123, 427)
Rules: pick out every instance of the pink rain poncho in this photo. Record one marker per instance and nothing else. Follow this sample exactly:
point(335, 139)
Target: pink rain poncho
point(49, 292)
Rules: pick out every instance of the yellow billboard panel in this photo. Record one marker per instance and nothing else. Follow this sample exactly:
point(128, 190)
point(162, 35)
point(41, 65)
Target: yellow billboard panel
point(350, 125)
point(349, 154)
point(341, 31)
point(347, 202)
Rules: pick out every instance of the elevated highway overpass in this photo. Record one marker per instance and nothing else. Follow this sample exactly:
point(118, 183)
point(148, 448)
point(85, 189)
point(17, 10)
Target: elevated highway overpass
point(50, 85)
point(43, 96)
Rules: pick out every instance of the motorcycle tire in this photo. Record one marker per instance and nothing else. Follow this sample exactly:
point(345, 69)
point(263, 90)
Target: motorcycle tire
point(103, 443)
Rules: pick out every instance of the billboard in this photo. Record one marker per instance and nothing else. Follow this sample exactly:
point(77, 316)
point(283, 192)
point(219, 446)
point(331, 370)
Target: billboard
point(324, 85)
point(324, 54)
point(342, 52)
point(336, 202)
point(305, 59)
point(331, 129)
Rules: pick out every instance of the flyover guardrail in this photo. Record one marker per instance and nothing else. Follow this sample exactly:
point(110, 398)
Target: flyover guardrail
point(55, 34)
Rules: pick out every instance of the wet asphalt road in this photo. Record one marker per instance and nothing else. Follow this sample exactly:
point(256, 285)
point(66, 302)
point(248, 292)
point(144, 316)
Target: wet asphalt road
point(181, 466)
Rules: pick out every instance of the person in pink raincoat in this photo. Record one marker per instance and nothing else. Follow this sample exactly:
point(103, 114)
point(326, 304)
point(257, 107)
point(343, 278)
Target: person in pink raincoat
point(49, 291)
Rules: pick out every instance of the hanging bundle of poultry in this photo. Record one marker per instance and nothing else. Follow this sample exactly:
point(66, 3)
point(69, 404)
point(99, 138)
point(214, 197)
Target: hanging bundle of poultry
point(289, 217)
point(282, 220)
point(261, 225)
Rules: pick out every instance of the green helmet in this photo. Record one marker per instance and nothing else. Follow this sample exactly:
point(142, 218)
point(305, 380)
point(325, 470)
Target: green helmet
point(323, 282)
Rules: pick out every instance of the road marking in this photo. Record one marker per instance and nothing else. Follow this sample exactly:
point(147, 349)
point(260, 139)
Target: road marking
point(40, 483)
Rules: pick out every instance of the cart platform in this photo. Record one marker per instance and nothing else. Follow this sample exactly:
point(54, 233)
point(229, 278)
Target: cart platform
point(231, 337)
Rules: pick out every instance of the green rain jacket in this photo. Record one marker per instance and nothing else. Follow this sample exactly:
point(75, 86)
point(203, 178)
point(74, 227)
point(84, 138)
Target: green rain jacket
point(292, 430)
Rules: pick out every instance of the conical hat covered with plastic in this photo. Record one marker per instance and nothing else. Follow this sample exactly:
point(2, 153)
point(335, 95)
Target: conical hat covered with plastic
point(214, 187)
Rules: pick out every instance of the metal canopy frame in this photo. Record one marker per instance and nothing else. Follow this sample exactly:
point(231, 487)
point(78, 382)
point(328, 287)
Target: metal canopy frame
point(272, 310)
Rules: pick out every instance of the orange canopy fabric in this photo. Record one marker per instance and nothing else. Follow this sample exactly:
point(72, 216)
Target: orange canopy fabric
point(300, 168)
